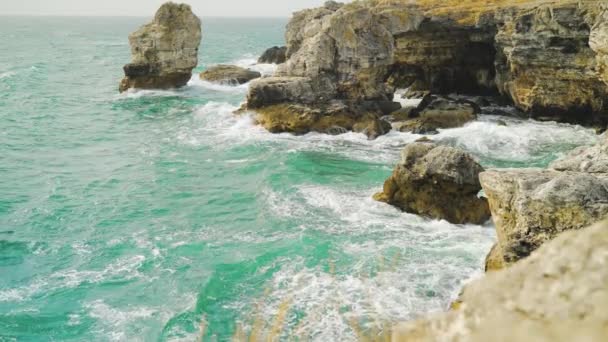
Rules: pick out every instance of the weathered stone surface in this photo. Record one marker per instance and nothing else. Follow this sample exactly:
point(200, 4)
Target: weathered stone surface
point(532, 206)
point(545, 63)
point(592, 159)
point(165, 51)
point(598, 41)
point(274, 55)
point(548, 57)
point(335, 118)
point(495, 260)
point(557, 294)
point(436, 112)
point(439, 182)
point(229, 74)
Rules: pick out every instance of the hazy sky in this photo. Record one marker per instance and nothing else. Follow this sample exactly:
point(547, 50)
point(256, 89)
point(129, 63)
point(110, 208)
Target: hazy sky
point(146, 8)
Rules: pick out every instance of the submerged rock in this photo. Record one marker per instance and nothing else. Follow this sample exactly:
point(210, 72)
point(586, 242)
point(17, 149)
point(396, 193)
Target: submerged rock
point(165, 51)
point(557, 294)
point(440, 182)
point(229, 74)
point(274, 55)
point(532, 206)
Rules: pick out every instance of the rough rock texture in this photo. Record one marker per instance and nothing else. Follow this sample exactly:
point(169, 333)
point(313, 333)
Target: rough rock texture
point(545, 63)
point(334, 119)
point(274, 55)
point(557, 294)
point(439, 182)
point(548, 57)
point(532, 206)
point(435, 112)
point(165, 51)
point(229, 74)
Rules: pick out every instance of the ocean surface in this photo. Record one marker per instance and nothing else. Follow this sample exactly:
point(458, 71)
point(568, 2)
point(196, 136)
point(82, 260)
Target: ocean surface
point(161, 216)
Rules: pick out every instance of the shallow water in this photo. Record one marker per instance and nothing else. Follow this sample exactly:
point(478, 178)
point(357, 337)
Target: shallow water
point(148, 215)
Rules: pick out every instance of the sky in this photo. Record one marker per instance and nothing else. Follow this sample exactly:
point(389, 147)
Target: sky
point(146, 8)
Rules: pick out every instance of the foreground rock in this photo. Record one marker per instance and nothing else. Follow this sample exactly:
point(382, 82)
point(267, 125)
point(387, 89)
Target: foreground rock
point(547, 57)
point(532, 206)
point(440, 182)
point(557, 294)
point(229, 74)
point(274, 55)
point(165, 51)
point(437, 112)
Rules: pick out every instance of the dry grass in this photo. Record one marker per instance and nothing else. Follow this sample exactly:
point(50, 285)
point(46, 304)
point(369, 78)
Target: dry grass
point(469, 11)
point(276, 328)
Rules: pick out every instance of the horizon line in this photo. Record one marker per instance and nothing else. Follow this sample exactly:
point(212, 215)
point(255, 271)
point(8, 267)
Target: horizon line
point(131, 16)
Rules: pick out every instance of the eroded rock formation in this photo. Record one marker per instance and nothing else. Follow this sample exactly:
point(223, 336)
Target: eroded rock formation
point(532, 206)
point(274, 55)
point(557, 294)
point(165, 51)
point(548, 57)
point(433, 113)
point(229, 74)
point(439, 182)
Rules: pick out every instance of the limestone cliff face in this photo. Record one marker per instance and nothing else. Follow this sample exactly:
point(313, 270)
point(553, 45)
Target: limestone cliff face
point(546, 63)
point(165, 51)
point(557, 294)
point(549, 57)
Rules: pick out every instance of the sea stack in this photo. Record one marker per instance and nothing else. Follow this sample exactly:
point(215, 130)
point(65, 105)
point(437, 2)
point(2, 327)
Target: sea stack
point(164, 51)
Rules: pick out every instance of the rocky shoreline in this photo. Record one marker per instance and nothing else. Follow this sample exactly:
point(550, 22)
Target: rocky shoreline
point(548, 58)
point(340, 71)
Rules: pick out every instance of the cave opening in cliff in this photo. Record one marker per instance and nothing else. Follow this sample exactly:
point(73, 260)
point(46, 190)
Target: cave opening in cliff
point(444, 61)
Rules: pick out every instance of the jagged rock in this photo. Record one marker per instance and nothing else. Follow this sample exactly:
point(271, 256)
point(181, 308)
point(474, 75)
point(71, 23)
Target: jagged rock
point(229, 74)
point(533, 52)
point(274, 55)
point(495, 260)
point(275, 90)
point(592, 159)
point(545, 63)
point(165, 51)
point(557, 294)
point(436, 112)
point(532, 206)
point(334, 118)
point(439, 182)
point(598, 41)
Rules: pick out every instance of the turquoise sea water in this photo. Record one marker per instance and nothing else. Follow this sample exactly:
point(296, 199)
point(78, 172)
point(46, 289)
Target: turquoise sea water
point(160, 216)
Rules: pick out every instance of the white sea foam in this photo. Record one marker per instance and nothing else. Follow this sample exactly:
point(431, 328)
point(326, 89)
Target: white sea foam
point(250, 62)
point(196, 81)
point(404, 270)
point(122, 269)
point(519, 141)
point(7, 74)
point(398, 97)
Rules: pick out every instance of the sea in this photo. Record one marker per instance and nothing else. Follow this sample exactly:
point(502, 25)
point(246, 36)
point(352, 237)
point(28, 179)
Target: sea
point(162, 216)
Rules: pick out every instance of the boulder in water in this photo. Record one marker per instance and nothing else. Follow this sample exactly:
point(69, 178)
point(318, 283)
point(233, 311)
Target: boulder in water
point(165, 51)
point(438, 112)
point(440, 182)
point(229, 74)
point(274, 55)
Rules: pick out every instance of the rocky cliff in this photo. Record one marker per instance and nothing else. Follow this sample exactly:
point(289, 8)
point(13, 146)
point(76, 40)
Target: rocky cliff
point(165, 51)
point(557, 294)
point(547, 57)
